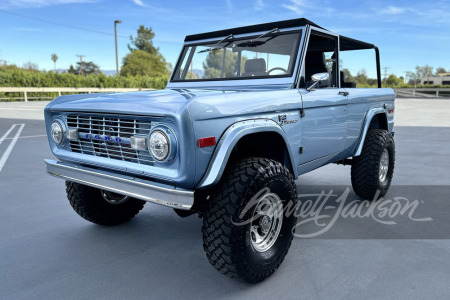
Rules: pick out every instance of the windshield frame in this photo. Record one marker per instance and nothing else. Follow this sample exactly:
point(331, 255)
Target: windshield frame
point(300, 31)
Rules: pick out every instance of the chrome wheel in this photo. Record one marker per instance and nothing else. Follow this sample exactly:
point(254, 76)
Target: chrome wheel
point(267, 221)
point(384, 166)
point(114, 198)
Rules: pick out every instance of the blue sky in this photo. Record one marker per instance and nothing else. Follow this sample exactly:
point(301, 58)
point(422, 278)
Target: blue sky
point(408, 33)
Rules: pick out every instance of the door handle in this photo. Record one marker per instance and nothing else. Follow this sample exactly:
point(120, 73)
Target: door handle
point(342, 93)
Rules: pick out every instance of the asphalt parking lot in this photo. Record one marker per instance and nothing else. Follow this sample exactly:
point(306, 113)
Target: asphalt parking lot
point(49, 252)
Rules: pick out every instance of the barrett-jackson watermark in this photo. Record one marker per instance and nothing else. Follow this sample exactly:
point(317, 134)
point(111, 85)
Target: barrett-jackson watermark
point(322, 210)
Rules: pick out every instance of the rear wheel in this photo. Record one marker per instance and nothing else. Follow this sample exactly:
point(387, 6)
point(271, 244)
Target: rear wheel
point(102, 207)
point(246, 234)
point(373, 170)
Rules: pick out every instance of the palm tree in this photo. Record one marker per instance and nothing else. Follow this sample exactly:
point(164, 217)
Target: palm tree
point(54, 58)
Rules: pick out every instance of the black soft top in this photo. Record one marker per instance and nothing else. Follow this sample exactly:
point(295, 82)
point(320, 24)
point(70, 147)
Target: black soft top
point(251, 28)
point(346, 42)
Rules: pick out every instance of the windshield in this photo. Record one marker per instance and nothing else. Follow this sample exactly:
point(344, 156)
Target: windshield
point(264, 56)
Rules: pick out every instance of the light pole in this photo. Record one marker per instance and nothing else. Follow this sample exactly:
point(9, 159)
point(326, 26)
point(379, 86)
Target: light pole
point(115, 35)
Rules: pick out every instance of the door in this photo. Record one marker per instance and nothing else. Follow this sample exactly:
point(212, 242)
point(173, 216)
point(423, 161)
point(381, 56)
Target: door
point(324, 125)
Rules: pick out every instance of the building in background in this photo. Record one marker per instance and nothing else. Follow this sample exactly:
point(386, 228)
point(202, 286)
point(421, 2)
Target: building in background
point(442, 79)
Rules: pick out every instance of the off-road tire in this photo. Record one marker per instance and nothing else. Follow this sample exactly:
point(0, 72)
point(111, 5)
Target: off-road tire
point(228, 246)
point(365, 168)
point(90, 205)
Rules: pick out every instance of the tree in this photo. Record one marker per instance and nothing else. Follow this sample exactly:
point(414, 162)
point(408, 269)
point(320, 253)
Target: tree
point(88, 68)
point(213, 64)
point(72, 70)
point(425, 72)
point(348, 76)
point(54, 58)
point(5, 66)
point(144, 58)
point(30, 66)
point(191, 75)
point(361, 77)
point(414, 77)
point(394, 81)
point(439, 70)
point(422, 72)
point(144, 40)
point(140, 62)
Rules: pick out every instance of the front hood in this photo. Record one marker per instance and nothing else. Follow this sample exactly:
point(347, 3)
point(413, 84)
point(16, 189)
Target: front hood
point(201, 103)
point(154, 103)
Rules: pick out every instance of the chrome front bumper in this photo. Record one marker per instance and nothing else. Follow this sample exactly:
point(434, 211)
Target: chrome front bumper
point(121, 184)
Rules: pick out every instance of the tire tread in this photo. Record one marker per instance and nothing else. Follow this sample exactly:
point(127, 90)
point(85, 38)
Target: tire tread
point(364, 172)
point(221, 239)
point(87, 203)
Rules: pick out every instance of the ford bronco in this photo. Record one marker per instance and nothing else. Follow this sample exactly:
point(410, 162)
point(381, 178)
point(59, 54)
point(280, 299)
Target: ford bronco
point(246, 112)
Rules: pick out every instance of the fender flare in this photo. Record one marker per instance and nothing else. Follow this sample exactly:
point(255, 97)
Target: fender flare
point(229, 139)
point(367, 120)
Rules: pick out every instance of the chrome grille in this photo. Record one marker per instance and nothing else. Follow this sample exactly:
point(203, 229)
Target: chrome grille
point(109, 136)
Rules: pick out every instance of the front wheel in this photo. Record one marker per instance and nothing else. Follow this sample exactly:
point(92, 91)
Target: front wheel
point(249, 223)
point(101, 207)
point(373, 170)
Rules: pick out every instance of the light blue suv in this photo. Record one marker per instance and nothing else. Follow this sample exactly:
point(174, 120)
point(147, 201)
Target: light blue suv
point(246, 111)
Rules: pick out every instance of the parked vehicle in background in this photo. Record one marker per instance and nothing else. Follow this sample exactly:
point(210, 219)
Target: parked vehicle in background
point(246, 111)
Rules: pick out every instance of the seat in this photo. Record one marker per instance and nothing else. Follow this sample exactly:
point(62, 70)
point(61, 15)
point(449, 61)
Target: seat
point(254, 67)
point(345, 84)
point(315, 63)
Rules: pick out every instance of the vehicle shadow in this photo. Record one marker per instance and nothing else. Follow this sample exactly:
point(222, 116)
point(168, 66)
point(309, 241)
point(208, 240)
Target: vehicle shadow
point(157, 253)
point(160, 254)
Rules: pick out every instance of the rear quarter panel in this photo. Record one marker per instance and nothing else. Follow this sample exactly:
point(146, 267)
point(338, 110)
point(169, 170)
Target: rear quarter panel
point(360, 101)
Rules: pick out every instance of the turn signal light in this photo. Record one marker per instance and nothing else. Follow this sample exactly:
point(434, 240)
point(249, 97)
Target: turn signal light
point(206, 142)
point(72, 134)
point(138, 143)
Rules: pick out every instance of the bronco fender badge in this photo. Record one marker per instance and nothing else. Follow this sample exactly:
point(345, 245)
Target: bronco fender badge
point(283, 120)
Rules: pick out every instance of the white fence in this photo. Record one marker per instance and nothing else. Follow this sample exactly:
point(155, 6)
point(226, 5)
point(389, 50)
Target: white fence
point(440, 93)
point(60, 91)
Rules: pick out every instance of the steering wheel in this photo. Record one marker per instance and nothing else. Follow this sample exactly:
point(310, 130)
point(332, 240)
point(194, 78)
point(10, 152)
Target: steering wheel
point(277, 69)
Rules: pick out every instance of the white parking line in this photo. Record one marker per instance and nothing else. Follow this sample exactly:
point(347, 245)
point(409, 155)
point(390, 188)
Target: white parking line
point(21, 108)
point(6, 134)
point(11, 146)
point(28, 136)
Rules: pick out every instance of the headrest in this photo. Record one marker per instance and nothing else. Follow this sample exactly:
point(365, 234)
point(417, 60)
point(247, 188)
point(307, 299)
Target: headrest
point(315, 59)
point(255, 65)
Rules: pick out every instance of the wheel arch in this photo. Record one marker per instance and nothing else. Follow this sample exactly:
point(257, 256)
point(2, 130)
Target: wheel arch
point(260, 134)
point(376, 118)
point(379, 121)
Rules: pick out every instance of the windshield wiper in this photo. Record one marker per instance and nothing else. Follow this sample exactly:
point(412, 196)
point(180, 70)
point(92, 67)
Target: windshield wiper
point(213, 47)
point(253, 43)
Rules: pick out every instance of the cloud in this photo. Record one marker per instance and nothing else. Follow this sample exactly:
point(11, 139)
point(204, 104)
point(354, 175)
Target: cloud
point(259, 5)
point(392, 10)
point(6, 4)
point(309, 8)
point(424, 14)
point(297, 6)
point(139, 3)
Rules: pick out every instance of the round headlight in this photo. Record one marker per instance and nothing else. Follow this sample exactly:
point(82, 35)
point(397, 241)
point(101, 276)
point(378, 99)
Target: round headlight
point(57, 132)
point(159, 145)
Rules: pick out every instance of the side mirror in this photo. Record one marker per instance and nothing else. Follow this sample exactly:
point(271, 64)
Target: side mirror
point(318, 77)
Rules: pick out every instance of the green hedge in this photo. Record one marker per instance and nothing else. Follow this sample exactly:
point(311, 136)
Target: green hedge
point(24, 78)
